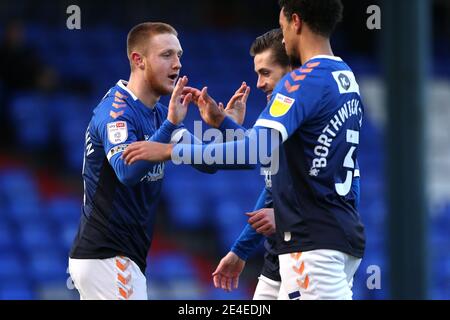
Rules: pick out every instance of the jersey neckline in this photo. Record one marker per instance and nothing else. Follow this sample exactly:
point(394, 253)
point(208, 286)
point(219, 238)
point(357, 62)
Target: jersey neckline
point(323, 56)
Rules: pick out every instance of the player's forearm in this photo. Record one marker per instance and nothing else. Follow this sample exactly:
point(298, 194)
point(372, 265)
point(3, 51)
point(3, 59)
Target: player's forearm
point(356, 191)
point(130, 175)
point(164, 133)
point(247, 242)
point(229, 124)
point(256, 148)
point(249, 239)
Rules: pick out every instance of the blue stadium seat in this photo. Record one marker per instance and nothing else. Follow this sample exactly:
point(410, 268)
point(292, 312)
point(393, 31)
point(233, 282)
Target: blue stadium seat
point(171, 266)
point(67, 233)
point(186, 212)
point(48, 266)
point(30, 115)
point(25, 212)
point(230, 220)
point(219, 294)
point(7, 238)
point(16, 290)
point(64, 210)
point(37, 236)
point(16, 182)
point(72, 114)
point(13, 266)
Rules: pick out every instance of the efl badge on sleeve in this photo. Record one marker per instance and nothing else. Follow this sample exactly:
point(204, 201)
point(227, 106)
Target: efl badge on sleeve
point(281, 105)
point(117, 132)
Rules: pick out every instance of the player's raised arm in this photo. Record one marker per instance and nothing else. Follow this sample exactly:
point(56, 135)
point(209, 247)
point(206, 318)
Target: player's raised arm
point(146, 150)
point(179, 102)
point(212, 113)
point(237, 105)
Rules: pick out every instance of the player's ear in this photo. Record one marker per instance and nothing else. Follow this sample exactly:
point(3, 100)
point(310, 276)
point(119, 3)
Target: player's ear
point(297, 23)
point(137, 60)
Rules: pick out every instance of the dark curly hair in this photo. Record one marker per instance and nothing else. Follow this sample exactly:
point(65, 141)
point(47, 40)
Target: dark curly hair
point(321, 16)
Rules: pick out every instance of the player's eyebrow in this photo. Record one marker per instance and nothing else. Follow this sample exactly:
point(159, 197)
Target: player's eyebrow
point(261, 70)
point(178, 52)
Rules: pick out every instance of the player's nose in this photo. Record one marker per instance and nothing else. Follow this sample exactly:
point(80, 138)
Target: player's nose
point(177, 65)
point(261, 83)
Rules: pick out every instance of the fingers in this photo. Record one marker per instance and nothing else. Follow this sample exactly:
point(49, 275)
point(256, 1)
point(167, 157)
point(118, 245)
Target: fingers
point(246, 94)
point(221, 106)
point(187, 99)
point(134, 152)
point(234, 98)
point(216, 280)
point(133, 156)
point(243, 91)
point(131, 148)
point(204, 94)
point(251, 214)
point(259, 223)
point(266, 230)
point(218, 269)
point(195, 92)
point(241, 88)
point(255, 217)
point(223, 283)
point(229, 284)
point(236, 282)
point(181, 83)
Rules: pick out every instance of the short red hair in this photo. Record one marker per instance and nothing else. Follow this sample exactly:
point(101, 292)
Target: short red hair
point(139, 35)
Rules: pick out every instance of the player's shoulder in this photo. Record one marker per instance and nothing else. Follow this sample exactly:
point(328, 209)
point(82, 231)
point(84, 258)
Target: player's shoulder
point(338, 76)
point(115, 105)
point(308, 80)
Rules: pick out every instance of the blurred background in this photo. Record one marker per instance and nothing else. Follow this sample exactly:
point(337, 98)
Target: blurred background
point(51, 78)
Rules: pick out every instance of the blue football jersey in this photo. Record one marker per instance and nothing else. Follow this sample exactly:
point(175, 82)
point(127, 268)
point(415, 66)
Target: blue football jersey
point(318, 111)
point(119, 201)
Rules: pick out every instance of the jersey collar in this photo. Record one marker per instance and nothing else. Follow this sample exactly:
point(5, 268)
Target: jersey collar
point(123, 85)
point(326, 57)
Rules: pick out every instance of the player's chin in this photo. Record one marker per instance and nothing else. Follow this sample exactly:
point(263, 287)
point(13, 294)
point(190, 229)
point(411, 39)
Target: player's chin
point(167, 88)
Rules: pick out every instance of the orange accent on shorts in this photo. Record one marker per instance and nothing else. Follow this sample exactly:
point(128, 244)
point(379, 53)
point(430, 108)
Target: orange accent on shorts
point(115, 115)
point(313, 64)
point(300, 269)
point(303, 284)
point(296, 255)
point(122, 266)
point(290, 88)
point(123, 280)
point(126, 294)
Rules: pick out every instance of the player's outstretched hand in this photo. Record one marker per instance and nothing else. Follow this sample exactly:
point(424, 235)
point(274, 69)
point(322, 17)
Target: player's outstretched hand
point(228, 271)
point(209, 110)
point(179, 102)
point(148, 151)
point(263, 221)
point(237, 105)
